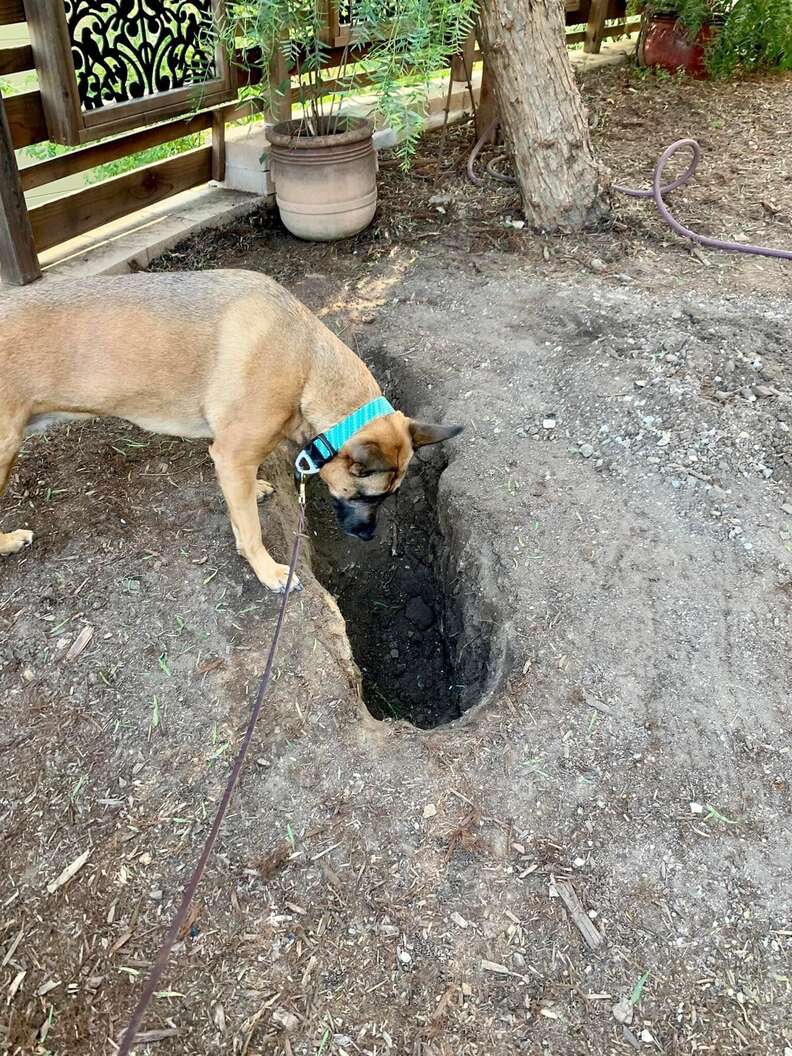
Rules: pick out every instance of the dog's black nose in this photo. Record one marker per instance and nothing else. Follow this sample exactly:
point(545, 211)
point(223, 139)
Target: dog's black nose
point(364, 531)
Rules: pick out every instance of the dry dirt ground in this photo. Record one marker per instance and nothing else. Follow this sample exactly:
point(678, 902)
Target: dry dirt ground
point(597, 574)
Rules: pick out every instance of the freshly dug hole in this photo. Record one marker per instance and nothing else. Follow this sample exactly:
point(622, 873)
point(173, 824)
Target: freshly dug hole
point(421, 640)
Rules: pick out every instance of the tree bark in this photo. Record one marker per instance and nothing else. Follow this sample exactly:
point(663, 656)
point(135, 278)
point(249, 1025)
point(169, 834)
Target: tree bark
point(544, 121)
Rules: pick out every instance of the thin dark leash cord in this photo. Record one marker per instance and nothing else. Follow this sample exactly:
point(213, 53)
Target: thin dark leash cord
point(656, 193)
point(128, 1039)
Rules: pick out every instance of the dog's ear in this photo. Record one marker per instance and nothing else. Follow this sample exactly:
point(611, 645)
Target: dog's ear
point(423, 433)
point(367, 457)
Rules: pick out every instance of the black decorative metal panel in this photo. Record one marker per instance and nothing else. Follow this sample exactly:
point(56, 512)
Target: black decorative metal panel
point(347, 13)
point(128, 49)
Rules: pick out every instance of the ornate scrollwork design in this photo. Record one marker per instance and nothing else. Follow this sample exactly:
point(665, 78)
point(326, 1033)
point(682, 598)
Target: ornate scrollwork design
point(128, 49)
point(346, 12)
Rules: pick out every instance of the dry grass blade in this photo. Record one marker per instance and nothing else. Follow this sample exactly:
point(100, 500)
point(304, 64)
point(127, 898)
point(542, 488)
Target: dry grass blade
point(80, 642)
point(69, 872)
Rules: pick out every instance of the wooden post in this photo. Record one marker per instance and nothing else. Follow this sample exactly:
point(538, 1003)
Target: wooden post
point(487, 110)
point(462, 63)
point(279, 74)
point(218, 146)
point(595, 29)
point(18, 258)
point(332, 25)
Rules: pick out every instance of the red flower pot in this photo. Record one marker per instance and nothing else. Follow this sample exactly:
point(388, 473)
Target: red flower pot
point(666, 44)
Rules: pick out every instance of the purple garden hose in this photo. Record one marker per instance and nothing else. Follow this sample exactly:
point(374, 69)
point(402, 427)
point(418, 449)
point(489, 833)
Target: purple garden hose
point(658, 190)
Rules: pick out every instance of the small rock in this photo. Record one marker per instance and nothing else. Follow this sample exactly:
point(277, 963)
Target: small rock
point(765, 390)
point(459, 920)
point(647, 1037)
point(787, 508)
point(429, 811)
point(443, 200)
point(518, 225)
point(623, 1012)
point(696, 808)
point(598, 265)
point(285, 1020)
point(586, 450)
point(404, 957)
point(548, 423)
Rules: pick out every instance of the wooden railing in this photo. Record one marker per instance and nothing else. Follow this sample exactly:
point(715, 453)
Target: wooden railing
point(26, 232)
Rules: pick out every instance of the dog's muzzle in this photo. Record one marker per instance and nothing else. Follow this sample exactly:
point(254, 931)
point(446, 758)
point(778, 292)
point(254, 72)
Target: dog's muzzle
point(358, 517)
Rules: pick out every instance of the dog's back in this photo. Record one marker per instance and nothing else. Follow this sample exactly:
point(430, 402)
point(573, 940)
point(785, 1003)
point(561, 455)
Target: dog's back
point(157, 343)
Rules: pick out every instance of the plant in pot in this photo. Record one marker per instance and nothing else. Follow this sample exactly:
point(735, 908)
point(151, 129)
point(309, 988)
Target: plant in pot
point(323, 159)
point(715, 38)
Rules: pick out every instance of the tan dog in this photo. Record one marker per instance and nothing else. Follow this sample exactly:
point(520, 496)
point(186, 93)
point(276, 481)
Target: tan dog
point(227, 355)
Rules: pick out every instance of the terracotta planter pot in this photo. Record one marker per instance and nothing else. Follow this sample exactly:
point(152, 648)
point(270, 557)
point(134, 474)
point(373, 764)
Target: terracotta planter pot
point(325, 186)
point(666, 44)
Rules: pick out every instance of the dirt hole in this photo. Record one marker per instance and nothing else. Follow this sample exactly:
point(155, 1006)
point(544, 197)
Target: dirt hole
point(418, 626)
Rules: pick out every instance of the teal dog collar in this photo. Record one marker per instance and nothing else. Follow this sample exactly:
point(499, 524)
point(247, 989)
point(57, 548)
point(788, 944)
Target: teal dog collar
point(326, 445)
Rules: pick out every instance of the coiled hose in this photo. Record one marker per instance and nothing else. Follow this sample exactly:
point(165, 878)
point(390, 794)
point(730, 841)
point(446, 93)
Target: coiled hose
point(656, 193)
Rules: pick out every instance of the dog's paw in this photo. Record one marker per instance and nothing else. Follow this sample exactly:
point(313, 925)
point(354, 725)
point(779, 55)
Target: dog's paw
point(263, 490)
point(13, 542)
point(276, 582)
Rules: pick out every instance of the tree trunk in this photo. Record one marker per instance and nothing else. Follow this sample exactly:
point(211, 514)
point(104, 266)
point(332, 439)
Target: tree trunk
point(542, 115)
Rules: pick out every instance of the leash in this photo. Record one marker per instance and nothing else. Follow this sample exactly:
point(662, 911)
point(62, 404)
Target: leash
point(317, 453)
point(129, 1035)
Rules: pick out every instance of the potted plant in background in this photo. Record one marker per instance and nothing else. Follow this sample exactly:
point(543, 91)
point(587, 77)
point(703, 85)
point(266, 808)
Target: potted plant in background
point(323, 160)
point(715, 38)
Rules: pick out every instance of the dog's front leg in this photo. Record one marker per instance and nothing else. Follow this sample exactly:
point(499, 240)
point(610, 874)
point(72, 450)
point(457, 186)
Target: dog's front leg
point(237, 476)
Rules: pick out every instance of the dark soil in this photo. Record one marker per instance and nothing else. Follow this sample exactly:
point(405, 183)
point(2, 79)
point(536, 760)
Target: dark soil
point(390, 595)
point(423, 655)
point(419, 658)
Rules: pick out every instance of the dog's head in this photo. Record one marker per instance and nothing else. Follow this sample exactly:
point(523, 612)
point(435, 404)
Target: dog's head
point(371, 466)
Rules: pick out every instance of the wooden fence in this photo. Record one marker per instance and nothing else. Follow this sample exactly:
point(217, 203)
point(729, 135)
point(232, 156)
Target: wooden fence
point(28, 118)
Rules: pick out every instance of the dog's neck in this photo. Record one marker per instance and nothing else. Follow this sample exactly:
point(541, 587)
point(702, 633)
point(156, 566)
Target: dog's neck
point(338, 383)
